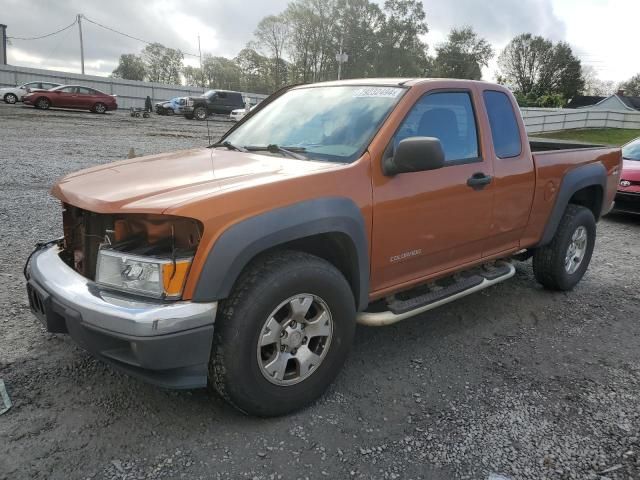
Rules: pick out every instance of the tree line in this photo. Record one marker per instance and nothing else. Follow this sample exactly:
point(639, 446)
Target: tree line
point(300, 45)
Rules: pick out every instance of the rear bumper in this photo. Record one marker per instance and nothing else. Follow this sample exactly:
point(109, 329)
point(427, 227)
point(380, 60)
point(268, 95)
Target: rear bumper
point(167, 344)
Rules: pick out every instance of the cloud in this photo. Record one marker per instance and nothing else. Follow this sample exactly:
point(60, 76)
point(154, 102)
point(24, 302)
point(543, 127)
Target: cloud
point(598, 32)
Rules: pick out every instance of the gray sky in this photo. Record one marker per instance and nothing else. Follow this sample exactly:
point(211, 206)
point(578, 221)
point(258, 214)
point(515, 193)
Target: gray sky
point(602, 32)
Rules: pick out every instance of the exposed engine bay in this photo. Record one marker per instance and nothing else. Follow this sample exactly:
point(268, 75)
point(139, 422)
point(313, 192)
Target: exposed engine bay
point(150, 235)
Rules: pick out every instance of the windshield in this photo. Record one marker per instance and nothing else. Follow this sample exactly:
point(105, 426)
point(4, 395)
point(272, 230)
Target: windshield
point(631, 151)
point(326, 123)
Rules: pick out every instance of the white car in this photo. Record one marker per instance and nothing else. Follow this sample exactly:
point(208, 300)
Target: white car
point(239, 113)
point(15, 94)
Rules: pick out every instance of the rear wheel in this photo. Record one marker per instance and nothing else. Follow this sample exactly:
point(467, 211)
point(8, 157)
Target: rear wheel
point(283, 334)
point(43, 103)
point(170, 112)
point(562, 264)
point(99, 108)
point(10, 98)
point(200, 113)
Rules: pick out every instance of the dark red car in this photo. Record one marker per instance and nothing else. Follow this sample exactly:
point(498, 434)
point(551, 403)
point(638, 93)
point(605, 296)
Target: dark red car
point(72, 96)
point(628, 196)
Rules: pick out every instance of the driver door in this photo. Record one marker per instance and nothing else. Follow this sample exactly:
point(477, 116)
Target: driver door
point(433, 221)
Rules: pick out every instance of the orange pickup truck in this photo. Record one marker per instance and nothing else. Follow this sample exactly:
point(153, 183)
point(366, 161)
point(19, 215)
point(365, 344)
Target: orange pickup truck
point(246, 265)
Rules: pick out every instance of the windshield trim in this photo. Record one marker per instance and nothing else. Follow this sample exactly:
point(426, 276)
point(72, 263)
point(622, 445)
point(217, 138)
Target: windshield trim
point(365, 146)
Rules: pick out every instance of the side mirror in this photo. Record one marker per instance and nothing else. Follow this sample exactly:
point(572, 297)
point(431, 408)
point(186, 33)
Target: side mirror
point(415, 154)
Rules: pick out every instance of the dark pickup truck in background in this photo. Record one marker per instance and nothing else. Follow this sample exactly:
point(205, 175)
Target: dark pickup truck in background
point(213, 101)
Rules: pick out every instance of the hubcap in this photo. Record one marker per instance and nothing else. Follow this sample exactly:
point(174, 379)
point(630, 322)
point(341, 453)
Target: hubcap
point(295, 339)
point(11, 98)
point(99, 108)
point(201, 114)
point(43, 103)
point(576, 250)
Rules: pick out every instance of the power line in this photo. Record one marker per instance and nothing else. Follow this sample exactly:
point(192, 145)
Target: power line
point(127, 35)
point(45, 36)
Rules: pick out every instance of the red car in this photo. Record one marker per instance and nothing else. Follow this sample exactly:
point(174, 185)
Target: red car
point(628, 196)
point(72, 96)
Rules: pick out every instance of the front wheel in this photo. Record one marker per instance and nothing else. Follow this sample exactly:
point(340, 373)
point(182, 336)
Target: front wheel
point(200, 113)
point(10, 98)
point(283, 334)
point(43, 103)
point(562, 264)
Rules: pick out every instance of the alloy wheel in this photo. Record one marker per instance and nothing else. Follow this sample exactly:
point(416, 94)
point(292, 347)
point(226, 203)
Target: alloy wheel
point(294, 339)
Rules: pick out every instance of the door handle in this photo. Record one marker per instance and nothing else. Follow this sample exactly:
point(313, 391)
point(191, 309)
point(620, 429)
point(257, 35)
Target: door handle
point(479, 180)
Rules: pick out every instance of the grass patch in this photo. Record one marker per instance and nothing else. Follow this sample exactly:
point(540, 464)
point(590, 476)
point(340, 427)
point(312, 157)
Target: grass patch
point(605, 136)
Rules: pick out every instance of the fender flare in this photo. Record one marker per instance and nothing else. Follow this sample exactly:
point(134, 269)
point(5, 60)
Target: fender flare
point(241, 242)
point(593, 174)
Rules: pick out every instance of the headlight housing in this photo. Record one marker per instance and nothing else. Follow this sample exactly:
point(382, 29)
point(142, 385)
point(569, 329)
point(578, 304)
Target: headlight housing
point(142, 275)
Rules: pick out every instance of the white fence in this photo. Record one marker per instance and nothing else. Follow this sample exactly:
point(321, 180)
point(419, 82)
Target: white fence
point(130, 93)
point(539, 120)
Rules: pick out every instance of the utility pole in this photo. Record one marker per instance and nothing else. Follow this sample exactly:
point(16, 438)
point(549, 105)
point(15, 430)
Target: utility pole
point(3, 44)
point(201, 71)
point(79, 19)
point(341, 58)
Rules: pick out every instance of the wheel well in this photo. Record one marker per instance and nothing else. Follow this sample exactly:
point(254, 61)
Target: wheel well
point(9, 93)
point(589, 197)
point(335, 247)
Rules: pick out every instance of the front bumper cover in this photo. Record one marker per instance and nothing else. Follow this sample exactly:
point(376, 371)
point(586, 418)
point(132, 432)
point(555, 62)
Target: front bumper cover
point(164, 343)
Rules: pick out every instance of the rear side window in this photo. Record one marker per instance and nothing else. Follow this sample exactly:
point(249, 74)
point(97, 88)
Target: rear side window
point(504, 126)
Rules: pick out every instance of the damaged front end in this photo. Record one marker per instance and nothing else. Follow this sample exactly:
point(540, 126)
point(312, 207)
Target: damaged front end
point(114, 283)
point(141, 254)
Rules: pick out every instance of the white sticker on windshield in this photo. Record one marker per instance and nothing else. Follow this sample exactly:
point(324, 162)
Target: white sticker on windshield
point(384, 92)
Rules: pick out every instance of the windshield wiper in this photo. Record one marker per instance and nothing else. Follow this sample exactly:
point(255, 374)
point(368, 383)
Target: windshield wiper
point(229, 146)
point(293, 152)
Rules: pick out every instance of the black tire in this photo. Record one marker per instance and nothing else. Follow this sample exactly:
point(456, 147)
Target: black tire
point(99, 108)
point(549, 261)
point(42, 103)
point(200, 113)
point(10, 98)
point(169, 112)
point(234, 369)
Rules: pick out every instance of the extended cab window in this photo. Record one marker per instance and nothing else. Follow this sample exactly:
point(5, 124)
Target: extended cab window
point(504, 126)
point(447, 116)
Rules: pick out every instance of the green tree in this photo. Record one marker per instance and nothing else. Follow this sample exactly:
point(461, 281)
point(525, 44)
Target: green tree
point(192, 76)
point(534, 65)
point(162, 64)
point(254, 71)
point(272, 33)
point(632, 86)
point(221, 72)
point(462, 56)
point(402, 52)
point(130, 67)
point(358, 27)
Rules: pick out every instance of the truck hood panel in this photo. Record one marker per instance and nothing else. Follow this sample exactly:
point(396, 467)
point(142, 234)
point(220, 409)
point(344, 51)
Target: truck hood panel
point(154, 183)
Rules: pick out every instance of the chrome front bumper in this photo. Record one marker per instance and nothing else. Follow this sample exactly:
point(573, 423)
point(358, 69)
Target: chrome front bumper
point(166, 343)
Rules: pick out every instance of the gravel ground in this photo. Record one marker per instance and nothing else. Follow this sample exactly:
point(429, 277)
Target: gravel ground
point(513, 381)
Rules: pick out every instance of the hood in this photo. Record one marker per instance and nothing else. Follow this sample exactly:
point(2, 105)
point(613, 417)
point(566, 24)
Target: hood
point(631, 170)
point(155, 183)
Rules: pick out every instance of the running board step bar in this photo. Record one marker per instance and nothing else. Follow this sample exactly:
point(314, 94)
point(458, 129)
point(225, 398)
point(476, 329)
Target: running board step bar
point(460, 285)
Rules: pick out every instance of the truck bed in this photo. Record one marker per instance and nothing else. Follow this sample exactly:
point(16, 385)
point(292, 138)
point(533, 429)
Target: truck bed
point(547, 144)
